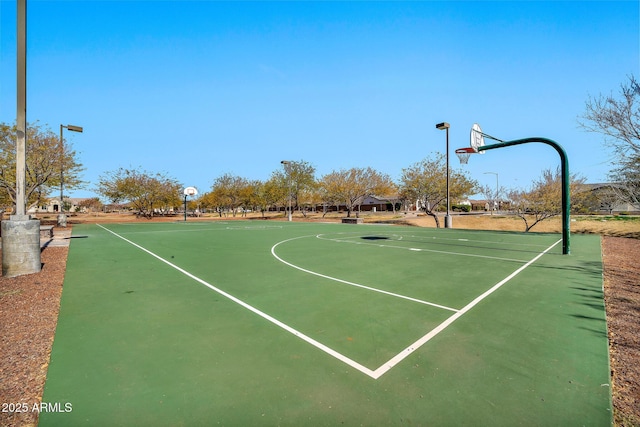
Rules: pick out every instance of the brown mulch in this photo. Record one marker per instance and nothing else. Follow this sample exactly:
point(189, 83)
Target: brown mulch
point(28, 316)
point(622, 300)
point(29, 311)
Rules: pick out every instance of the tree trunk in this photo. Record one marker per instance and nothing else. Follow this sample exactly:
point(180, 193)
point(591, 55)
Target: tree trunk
point(431, 213)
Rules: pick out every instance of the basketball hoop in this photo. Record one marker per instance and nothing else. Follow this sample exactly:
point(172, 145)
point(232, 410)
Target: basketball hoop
point(464, 153)
point(190, 191)
point(477, 138)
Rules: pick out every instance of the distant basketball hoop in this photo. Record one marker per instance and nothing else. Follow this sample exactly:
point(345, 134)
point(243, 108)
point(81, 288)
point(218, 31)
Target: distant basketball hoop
point(190, 191)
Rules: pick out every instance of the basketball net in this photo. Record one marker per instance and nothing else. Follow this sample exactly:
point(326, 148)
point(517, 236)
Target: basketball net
point(464, 154)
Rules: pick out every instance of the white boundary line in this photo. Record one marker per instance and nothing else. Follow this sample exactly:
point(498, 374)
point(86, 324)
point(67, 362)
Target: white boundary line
point(339, 240)
point(200, 227)
point(385, 367)
point(262, 314)
point(428, 238)
point(441, 327)
point(273, 252)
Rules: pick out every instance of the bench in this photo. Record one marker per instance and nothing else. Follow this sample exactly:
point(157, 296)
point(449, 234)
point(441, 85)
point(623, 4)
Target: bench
point(46, 231)
point(352, 221)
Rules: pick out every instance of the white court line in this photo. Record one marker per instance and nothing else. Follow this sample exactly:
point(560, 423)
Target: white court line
point(262, 314)
point(441, 327)
point(428, 238)
point(385, 367)
point(357, 285)
point(253, 227)
point(340, 240)
point(200, 227)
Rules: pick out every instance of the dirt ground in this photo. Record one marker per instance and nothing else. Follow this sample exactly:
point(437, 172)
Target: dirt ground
point(29, 310)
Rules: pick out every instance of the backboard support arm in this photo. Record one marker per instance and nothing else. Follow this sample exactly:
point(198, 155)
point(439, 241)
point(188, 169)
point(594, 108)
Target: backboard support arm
point(564, 169)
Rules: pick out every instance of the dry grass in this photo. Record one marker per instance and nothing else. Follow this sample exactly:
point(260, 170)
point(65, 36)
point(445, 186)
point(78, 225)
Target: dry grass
point(603, 225)
point(617, 226)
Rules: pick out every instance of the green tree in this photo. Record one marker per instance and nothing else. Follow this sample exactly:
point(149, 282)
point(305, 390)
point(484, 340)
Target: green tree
point(44, 164)
point(352, 186)
point(269, 193)
point(618, 119)
point(333, 189)
point(426, 183)
point(298, 179)
point(208, 201)
point(228, 194)
point(249, 195)
point(147, 192)
point(91, 205)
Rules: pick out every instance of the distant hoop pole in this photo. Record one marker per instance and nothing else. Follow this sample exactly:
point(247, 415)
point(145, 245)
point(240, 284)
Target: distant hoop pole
point(564, 167)
point(189, 191)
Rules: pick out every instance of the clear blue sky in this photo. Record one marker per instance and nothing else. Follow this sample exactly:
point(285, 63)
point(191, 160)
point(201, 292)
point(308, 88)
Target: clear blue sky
point(199, 89)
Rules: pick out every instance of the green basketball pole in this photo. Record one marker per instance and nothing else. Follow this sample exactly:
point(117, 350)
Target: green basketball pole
point(566, 202)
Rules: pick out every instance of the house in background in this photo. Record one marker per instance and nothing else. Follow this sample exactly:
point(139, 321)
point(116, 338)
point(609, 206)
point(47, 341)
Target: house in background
point(605, 200)
point(380, 204)
point(53, 205)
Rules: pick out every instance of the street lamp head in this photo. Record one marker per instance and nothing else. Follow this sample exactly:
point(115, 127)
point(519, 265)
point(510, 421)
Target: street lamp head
point(443, 125)
point(74, 128)
point(285, 162)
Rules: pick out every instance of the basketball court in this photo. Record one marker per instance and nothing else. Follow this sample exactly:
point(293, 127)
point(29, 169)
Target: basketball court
point(277, 323)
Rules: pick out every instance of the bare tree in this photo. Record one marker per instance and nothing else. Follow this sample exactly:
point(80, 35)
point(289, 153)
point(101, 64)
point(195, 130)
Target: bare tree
point(544, 199)
point(618, 119)
point(626, 177)
point(492, 195)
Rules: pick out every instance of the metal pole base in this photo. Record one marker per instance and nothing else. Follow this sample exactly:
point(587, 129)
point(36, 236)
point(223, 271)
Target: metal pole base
point(447, 221)
point(20, 247)
point(62, 220)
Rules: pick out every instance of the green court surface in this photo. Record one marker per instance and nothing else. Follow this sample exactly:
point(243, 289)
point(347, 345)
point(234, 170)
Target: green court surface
point(256, 323)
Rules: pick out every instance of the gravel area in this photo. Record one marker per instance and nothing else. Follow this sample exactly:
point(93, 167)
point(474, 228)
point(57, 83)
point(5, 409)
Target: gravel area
point(622, 300)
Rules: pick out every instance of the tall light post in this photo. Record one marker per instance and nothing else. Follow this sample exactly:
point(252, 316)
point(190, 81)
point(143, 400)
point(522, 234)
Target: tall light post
point(62, 219)
point(287, 169)
point(447, 218)
point(20, 233)
point(496, 203)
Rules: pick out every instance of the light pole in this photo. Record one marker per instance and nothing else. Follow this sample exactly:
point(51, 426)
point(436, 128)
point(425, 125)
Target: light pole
point(496, 202)
point(20, 233)
point(62, 219)
point(447, 218)
point(287, 164)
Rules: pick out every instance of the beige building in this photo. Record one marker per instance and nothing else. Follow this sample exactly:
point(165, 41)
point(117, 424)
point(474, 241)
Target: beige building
point(53, 205)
